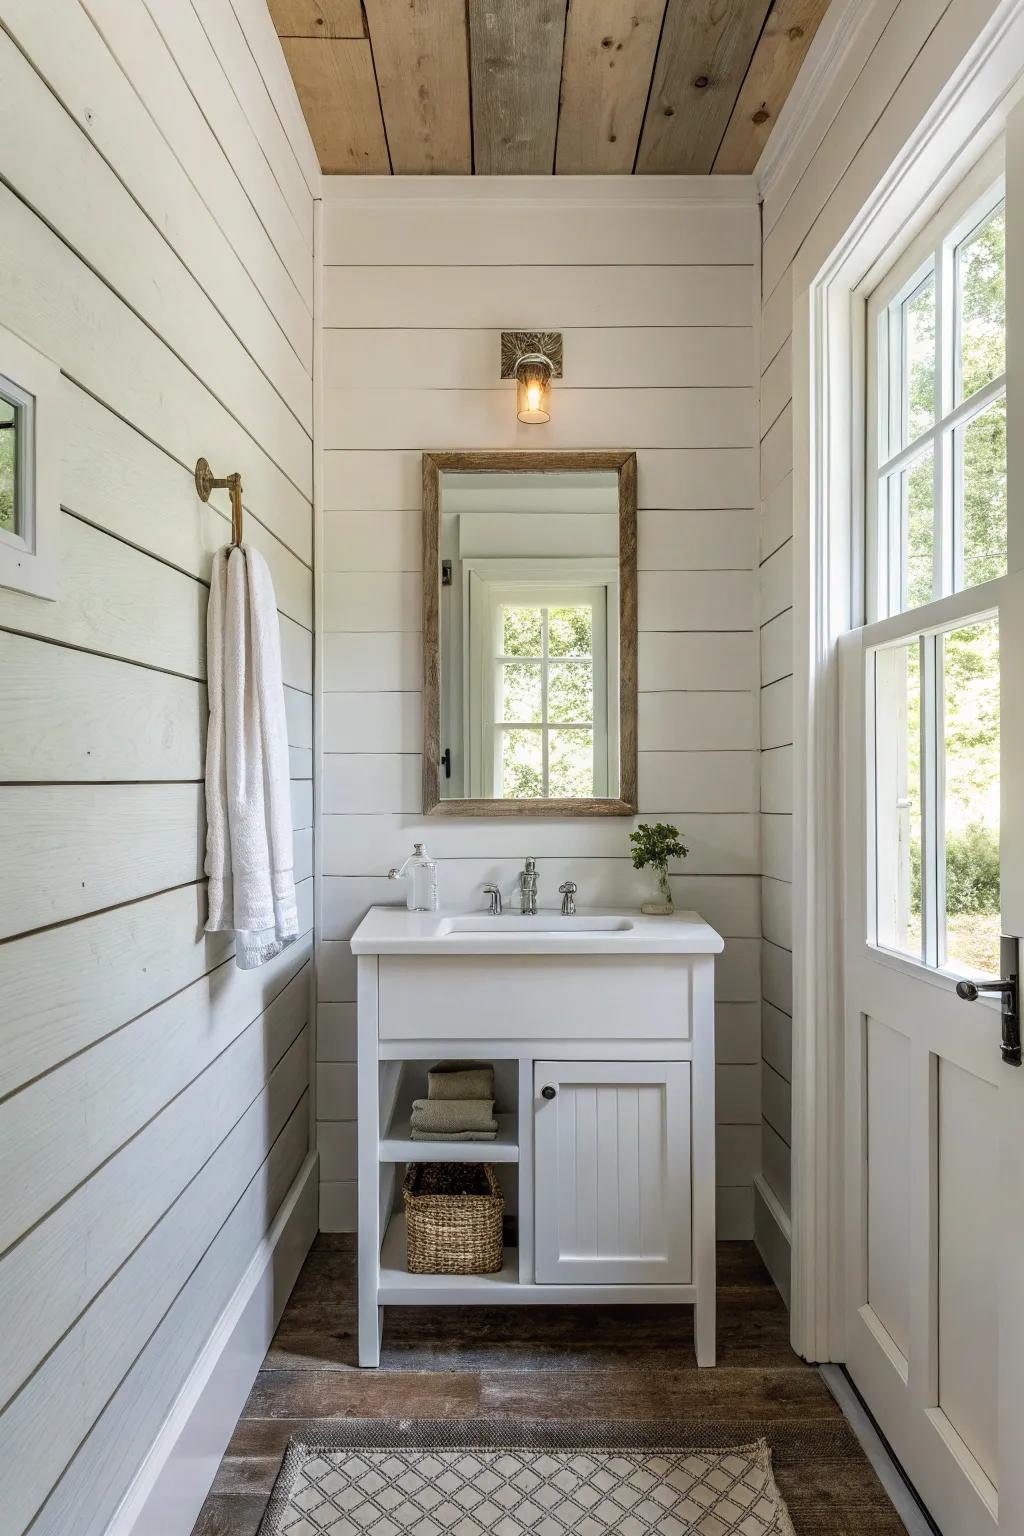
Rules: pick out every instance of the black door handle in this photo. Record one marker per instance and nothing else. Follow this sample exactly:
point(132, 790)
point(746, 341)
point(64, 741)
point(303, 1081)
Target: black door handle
point(970, 991)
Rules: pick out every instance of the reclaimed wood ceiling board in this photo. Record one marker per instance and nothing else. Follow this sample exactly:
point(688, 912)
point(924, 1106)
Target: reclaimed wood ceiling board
point(531, 87)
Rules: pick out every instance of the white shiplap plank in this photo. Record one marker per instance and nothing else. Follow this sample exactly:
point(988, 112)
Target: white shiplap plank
point(777, 517)
point(583, 418)
point(116, 479)
point(389, 601)
point(777, 780)
point(698, 781)
point(68, 987)
point(68, 849)
point(100, 1098)
point(336, 973)
point(697, 722)
point(775, 584)
point(336, 1032)
point(777, 1040)
point(777, 452)
point(738, 972)
point(775, 1164)
point(371, 782)
point(776, 1101)
point(777, 385)
point(777, 976)
point(336, 1090)
point(49, 296)
point(714, 660)
point(86, 1497)
point(55, 168)
point(336, 1143)
point(90, 1235)
point(373, 232)
point(696, 541)
point(372, 722)
point(555, 297)
point(338, 1209)
point(777, 846)
point(777, 909)
point(776, 317)
point(737, 1032)
point(372, 662)
point(298, 709)
point(65, 714)
point(261, 37)
point(170, 64)
point(114, 600)
point(777, 647)
point(738, 1095)
point(644, 357)
point(373, 541)
point(777, 714)
point(704, 600)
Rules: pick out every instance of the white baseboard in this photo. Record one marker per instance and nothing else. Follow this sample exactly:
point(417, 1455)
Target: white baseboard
point(772, 1234)
point(168, 1491)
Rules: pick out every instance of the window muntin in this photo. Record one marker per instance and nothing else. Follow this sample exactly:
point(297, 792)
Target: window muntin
point(937, 449)
point(544, 687)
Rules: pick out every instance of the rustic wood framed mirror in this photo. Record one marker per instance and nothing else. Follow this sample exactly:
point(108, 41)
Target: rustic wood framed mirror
point(529, 634)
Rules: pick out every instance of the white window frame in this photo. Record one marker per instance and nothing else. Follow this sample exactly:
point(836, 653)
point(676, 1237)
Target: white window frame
point(488, 584)
point(889, 623)
point(932, 252)
point(27, 554)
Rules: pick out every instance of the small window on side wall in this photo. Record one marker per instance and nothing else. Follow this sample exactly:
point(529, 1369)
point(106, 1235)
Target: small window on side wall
point(29, 467)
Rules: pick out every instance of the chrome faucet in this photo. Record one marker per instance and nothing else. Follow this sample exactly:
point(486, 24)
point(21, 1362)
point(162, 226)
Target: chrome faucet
point(528, 889)
point(495, 907)
point(568, 895)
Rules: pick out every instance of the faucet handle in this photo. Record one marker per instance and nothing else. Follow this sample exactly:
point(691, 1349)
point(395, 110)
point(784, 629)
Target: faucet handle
point(567, 891)
point(495, 894)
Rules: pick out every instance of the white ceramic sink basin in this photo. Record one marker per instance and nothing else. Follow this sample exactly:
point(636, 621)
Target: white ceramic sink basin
point(394, 931)
point(544, 922)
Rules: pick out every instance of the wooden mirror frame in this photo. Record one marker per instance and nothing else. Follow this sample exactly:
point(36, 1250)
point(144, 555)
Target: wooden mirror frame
point(503, 463)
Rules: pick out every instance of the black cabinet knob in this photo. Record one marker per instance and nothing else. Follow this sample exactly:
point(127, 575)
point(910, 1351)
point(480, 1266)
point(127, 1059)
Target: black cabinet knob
point(548, 1092)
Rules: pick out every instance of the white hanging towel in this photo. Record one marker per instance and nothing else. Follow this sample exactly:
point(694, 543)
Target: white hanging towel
point(249, 858)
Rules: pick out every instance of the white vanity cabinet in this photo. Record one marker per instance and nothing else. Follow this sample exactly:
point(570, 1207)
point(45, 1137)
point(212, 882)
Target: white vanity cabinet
point(601, 1031)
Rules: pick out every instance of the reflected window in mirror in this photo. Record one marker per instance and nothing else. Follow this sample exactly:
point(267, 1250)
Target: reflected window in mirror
point(29, 467)
point(529, 670)
point(16, 431)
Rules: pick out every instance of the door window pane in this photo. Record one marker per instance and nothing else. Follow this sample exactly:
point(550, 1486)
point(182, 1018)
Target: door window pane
point(918, 326)
point(898, 830)
point(521, 632)
point(981, 304)
point(570, 631)
point(522, 765)
point(910, 496)
point(981, 494)
point(521, 691)
point(970, 688)
point(571, 763)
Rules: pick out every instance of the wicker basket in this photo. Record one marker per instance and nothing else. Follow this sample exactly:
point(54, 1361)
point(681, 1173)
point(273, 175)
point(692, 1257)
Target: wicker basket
point(453, 1214)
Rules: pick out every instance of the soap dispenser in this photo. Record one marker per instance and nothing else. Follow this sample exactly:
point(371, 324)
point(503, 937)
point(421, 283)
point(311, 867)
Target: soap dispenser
point(420, 873)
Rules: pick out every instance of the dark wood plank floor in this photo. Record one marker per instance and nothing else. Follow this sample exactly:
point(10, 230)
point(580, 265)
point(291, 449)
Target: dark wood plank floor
point(553, 1362)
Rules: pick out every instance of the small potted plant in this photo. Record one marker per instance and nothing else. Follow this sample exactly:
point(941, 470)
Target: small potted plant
point(653, 846)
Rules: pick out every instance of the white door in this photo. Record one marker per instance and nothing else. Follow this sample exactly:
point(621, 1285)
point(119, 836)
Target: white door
point(933, 767)
point(612, 1154)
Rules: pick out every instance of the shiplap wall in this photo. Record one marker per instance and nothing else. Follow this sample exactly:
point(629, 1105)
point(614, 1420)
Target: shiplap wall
point(652, 282)
point(156, 241)
point(900, 54)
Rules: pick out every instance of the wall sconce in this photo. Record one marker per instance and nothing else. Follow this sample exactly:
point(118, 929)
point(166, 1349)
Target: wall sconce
point(533, 359)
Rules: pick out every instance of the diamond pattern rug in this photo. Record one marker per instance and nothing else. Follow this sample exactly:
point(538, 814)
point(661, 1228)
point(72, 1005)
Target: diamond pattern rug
point(524, 1490)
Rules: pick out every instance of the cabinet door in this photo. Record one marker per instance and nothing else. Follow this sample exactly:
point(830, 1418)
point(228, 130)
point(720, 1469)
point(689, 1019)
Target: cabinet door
point(612, 1172)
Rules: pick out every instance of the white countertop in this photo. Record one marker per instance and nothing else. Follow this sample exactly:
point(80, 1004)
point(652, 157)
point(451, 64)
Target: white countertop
point(394, 930)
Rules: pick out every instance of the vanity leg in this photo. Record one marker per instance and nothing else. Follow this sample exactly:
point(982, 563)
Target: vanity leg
point(704, 1330)
point(371, 1331)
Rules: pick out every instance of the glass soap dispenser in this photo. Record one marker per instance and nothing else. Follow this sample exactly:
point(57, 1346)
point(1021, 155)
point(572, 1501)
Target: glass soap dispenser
point(420, 873)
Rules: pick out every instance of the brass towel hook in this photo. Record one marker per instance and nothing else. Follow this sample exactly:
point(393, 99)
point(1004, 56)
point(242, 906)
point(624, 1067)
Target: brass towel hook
point(206, 482)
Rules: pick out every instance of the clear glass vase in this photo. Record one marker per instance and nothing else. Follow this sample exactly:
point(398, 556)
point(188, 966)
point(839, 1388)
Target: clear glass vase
point(659, 903)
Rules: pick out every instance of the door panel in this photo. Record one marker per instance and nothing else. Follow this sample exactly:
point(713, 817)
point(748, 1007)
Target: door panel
point(888, 1171)
point(612, 1151)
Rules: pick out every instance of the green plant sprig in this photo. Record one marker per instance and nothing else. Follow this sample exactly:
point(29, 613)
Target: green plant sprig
point(656, 844)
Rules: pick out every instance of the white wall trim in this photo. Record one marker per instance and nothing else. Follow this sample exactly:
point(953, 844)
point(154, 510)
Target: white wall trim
point(773, 1235)
point(579, 191)
point(835, 39)
point(167, 1492)
point(966, 113)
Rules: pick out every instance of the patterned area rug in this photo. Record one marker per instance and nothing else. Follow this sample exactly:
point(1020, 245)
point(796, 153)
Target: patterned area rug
point(491, 1479)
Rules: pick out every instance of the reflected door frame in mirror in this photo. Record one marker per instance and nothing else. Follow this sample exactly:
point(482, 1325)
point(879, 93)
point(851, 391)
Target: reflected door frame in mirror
point(624, 464)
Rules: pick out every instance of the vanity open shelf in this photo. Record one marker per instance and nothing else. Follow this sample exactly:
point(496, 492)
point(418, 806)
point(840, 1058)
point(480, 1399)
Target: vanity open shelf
point(602, 1040)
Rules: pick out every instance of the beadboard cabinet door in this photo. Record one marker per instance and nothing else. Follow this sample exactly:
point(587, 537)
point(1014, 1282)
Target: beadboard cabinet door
point(612, 1151)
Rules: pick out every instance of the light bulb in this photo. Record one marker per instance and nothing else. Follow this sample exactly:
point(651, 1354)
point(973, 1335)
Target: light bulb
point(533, 389)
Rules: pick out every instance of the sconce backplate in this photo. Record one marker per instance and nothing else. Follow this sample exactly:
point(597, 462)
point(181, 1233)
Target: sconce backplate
point(517, 344)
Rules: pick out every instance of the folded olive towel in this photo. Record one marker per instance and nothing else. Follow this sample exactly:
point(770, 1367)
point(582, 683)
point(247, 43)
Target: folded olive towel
point(461, 1080)
point(453, 1135)
point(453, 1115)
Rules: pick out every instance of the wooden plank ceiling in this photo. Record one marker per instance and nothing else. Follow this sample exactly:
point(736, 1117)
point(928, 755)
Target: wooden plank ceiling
point(530, 87)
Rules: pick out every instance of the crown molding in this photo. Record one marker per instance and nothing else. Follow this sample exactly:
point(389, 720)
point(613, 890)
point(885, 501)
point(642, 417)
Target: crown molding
point(579, 191)
point(834, 41)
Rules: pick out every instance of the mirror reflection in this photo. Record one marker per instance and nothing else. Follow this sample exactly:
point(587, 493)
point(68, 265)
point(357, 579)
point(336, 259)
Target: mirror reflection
point(9, 416)
point(529, 635)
